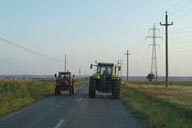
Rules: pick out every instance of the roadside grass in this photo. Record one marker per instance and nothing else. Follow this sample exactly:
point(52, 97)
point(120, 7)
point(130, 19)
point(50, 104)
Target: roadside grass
point(161, 107)
point(171, 83)
point(17, 93)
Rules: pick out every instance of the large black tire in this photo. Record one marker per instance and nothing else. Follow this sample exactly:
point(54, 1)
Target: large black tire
point(116, 89)
point(92, 88)
point(57, 91)
point(73, 90)
point(70, 91)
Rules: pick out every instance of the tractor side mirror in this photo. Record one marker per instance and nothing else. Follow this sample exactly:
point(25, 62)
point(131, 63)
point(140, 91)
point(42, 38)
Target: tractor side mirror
point(119, 68)
point(55, 75)
point(73, 76)
point(91, 66)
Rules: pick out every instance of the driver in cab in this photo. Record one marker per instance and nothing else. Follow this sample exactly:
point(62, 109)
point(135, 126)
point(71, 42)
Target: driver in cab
point(106, 72)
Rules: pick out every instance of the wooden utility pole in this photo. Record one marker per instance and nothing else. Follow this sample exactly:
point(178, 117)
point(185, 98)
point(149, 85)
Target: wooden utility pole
point(79, 73)
point(118, 66)
point(65, 68)
point(166, 47)
point(127, 54)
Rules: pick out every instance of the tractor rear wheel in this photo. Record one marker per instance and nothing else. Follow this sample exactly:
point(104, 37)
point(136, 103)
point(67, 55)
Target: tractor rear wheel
point(92, 88)
point(73, 90)
point(56, 91)
point(70, 91)
point(116, 89)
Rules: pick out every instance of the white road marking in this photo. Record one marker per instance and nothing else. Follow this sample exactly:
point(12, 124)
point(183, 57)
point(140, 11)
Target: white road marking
point(80, 99)
point(59, 124)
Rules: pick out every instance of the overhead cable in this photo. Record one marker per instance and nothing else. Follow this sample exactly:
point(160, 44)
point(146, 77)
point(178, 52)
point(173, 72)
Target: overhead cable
point(29, 50)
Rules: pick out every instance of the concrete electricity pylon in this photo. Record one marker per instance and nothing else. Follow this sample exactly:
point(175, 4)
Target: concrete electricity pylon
point(154, 54)
point(166, 47)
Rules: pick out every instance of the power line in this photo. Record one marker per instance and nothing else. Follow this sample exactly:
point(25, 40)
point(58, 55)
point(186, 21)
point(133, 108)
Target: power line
point(174, 5)
point(36, 53)
point(179, 9)
point(181, 17)
point(30, 50)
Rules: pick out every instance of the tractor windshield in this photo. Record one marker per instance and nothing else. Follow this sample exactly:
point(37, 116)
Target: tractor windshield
point(64, 75)
point(104, 70)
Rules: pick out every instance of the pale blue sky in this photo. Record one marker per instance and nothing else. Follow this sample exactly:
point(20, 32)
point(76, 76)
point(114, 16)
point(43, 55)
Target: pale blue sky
point(89, 30)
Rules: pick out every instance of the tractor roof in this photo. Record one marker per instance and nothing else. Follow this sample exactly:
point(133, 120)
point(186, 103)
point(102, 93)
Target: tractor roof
point(64, 72)
point(106, 64)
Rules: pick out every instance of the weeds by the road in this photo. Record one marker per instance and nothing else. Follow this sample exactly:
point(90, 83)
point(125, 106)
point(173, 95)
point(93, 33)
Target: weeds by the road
point(171, 83)
point(163, 107)
point(16, 93)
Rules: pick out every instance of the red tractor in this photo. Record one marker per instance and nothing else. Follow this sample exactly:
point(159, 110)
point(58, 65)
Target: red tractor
point(64, 82)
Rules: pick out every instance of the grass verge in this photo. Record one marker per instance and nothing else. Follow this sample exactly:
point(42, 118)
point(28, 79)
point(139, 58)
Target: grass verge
point(17, 93)
point(162, 107)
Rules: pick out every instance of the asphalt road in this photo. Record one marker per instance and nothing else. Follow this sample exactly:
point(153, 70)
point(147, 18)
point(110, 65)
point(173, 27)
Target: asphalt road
point(76, 111)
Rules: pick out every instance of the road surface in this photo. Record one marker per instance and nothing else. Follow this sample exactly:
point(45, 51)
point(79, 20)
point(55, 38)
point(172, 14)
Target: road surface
point(76, 111)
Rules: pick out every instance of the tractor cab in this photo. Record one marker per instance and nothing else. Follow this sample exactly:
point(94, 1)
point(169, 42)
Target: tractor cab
point(105, 69)
point(64, 75)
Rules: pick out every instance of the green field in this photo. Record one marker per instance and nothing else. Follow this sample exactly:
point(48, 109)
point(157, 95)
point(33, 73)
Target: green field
point(159, 106)
point(17, 93)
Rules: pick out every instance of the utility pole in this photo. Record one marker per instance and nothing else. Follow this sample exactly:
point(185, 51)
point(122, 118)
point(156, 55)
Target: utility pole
point(166, 47)
point(79, 73)
point(118, 66)
point(65, 68)
point(154, 57)
point(127, 54)
point(121, 68)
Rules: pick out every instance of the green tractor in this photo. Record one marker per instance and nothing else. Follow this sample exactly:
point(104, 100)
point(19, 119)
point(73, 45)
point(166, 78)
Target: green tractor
point(105, 80)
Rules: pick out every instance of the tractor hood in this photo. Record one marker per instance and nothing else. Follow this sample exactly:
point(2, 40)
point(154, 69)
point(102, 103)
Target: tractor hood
point(114, 77)
point(96, 76)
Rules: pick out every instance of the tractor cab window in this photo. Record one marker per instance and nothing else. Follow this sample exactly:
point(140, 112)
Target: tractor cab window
point(64, 76)
point(104, 70)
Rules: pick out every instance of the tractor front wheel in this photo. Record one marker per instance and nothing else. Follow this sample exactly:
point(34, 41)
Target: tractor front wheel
point(92, 88)
point(57, 91)
point(73, 90)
